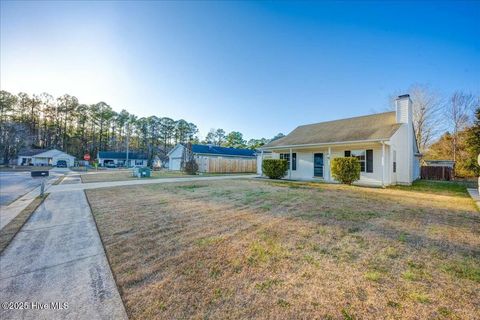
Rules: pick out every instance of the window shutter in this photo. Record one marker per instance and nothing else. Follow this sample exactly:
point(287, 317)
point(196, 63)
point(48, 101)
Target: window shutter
point(369, 160)
point(347, 153)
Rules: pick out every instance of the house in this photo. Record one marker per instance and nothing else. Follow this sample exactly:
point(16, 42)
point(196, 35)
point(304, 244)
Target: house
point(119, 159)
point(440, 163)
point(212, 158)
point(44, 157)
point(384, 143)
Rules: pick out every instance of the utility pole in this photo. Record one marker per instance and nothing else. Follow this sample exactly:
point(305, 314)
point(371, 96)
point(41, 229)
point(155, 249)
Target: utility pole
point(127, 146)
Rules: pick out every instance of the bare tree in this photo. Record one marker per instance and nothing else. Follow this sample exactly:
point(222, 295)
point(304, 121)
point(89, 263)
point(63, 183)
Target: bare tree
point(427, 110)
point(188, 163)
point(459, 111)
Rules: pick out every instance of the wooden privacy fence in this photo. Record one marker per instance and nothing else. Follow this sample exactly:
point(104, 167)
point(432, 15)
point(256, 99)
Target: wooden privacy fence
point(436, 173)
point(226, 165)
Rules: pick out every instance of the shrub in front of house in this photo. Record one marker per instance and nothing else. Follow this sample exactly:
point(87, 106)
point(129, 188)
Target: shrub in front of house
point(346, 170)
point(275, 168)
point(190, 167)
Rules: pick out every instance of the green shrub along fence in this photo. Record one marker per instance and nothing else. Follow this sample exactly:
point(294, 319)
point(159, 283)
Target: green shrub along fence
point(346, 170)
point(274, 168)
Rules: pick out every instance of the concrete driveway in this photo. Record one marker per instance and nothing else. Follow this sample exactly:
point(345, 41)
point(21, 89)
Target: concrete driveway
point(58, 257)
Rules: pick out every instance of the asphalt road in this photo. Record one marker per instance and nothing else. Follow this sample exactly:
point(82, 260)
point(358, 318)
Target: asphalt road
point(14, 185)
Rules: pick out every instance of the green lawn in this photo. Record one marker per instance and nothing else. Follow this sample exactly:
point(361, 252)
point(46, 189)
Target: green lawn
point(448, 188)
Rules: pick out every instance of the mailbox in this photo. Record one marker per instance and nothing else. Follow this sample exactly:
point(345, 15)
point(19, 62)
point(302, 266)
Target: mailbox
point(39, 173)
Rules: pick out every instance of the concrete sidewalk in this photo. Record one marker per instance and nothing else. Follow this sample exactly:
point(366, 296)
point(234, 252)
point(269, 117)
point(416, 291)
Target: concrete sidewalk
point(58, 257)
point(96, 185)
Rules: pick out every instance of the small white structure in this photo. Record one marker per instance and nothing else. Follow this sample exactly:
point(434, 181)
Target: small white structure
point(211, 158)
point(42, 157)
point(440, 163)
point(384, 143)
point(119, 159)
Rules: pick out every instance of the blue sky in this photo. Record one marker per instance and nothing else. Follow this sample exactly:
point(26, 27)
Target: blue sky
point(256, 67)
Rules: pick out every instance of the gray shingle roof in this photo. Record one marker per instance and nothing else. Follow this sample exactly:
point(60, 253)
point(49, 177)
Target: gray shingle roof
point(372, 127)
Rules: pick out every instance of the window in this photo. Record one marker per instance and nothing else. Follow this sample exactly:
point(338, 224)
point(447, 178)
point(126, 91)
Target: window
point(139, 162)
point(365, 157)
point(286, 156)
point(360, 155)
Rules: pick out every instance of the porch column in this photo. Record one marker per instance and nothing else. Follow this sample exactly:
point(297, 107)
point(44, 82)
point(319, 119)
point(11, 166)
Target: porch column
point(290, 162)
point(383, 164)
point(329, 176)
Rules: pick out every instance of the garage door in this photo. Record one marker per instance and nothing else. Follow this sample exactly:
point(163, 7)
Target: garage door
point(174, 163)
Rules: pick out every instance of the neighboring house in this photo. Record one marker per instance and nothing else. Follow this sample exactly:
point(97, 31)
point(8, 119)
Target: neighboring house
point(119, 159)
point(44, 157)
point(212, 158)
point(384, 143)
point(440, 163)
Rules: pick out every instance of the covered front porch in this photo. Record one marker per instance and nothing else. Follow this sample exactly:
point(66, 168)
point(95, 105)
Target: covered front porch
point(313, 163)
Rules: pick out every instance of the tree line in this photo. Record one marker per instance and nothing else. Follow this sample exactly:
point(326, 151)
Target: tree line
point(447, 128)
point(45, 122)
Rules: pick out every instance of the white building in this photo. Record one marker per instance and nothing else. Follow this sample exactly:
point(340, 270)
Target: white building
point(44, 157)
point(440, 163)
point(384, 143)
point(119, 159)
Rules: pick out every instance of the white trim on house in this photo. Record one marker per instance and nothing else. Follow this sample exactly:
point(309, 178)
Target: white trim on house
point(313, 145)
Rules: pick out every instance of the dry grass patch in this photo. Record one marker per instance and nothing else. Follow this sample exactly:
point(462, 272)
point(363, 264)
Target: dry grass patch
point(122, 175)
point(257, 249)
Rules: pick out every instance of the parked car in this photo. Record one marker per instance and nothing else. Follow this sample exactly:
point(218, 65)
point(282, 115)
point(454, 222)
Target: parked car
point(61, 164)
point(110, 165)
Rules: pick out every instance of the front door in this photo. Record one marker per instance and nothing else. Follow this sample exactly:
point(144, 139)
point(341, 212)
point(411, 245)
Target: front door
point(318, 165)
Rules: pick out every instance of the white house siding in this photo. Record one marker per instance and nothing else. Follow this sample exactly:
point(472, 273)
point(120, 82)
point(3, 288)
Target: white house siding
point(405, 160)
point(47, 158)
point(175, 158)
point(122, 162)
point(305, 169)
point(138, 162)
point(369, 178)
point(416, 167)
